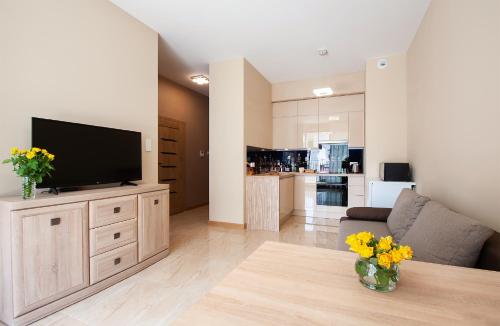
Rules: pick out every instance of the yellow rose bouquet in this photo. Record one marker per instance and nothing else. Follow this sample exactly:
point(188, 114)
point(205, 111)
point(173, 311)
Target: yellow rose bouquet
point(378, 262)
point(32, 165)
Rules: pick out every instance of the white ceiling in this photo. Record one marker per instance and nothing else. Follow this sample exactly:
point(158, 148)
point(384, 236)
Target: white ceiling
point(279, 37)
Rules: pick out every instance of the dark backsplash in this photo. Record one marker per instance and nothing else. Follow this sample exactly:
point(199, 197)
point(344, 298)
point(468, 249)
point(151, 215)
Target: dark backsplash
point(331, 158)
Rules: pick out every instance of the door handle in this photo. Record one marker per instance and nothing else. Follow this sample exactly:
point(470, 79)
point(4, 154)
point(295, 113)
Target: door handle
point(55, 221)
point(116, 235)
point(157, 201)
point(118, 260)
point(117, 210)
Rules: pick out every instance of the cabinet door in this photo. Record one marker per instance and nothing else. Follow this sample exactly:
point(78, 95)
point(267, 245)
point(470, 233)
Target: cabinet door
point(50, 254)
point(285, 109)
point(153, 223)
point(305, 193)
point(357, 129)
point(336, 104)
point(307, 131)
point(285, 132)
point(334, 127)
point(307, 107)
point(286, 197)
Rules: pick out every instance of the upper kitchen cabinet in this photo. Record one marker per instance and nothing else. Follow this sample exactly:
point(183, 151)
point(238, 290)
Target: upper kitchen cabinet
point(285, 125)
point(357, 129)
point(307, 123)
point(334, 127)
point(336, 104)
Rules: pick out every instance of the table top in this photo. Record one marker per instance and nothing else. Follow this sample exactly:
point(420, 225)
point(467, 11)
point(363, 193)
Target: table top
point(284, 284)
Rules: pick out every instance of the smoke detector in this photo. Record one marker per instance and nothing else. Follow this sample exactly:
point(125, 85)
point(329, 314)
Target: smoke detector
point(382, 63)
point(322, 52)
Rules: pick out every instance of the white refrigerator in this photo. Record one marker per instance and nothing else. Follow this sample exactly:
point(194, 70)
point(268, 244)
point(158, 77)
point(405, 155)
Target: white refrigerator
point(385, 193)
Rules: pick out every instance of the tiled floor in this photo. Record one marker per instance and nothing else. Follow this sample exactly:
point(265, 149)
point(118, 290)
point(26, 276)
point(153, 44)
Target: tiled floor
point(201, 256)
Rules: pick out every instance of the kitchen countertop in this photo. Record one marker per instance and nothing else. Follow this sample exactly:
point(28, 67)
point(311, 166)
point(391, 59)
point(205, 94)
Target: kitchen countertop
point(293, 174)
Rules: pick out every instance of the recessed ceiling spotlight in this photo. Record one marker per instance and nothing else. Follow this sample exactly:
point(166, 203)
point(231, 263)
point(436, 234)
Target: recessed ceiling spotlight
point(323, 91)
point(199, 79)
point(322, 52)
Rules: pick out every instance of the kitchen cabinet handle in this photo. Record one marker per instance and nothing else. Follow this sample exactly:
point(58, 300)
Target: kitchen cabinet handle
point(118, 260)
point(116, 235)
point(116, 210)
point(157, 201)
point(55, 221)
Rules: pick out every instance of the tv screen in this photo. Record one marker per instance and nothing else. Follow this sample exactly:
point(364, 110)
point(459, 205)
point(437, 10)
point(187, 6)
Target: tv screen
point(87, 155)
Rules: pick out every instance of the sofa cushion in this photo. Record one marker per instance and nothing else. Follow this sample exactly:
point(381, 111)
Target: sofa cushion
point(442, 236)
point(348, 227)
point(490, 254)
point(405, 212)
point(368, 213)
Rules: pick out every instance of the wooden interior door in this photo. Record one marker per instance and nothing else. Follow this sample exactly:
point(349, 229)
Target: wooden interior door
point(171, 160)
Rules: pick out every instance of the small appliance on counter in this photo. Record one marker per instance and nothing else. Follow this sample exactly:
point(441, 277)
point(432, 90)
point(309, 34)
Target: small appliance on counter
point(395, 172)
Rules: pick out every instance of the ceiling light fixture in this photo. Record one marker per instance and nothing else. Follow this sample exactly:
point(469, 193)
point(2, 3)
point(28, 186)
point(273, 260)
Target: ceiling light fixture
point(323, 91)
point(322, 52)
point(199, 79)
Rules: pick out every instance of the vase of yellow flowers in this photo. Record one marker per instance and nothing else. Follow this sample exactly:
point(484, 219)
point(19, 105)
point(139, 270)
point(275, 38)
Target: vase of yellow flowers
point(378, 261)
point(32, 165)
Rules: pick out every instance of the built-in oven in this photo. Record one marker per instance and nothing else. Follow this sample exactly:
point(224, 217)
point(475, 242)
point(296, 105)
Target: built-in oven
point(331, 191)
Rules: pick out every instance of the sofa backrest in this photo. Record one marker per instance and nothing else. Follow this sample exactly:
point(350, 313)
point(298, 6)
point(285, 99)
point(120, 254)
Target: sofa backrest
point(490, 254)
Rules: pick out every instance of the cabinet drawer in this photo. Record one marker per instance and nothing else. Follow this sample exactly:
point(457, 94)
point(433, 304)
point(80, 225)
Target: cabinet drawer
point(112, 210)
point(356, 190)
point(109, 263)
point(356, 181)
point(356, 201)
point(112, 236)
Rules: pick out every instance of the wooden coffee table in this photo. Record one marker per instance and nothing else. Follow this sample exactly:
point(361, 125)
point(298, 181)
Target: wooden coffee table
point(284, 284)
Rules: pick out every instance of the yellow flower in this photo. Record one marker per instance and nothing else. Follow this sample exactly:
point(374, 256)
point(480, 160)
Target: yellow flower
point(23, 151)
point(365, 251)
point(351, 240)
point(385, 243)
point(30, 155)
point(51, 157)
point(14, 150)
point(35, 149)
point(384, 260)
point(44, 151)
point(406, 252)
point(365, 237)
point(396, 256)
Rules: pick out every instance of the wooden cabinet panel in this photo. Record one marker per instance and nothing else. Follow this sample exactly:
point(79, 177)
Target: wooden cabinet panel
point(112, 236)
point(357, 129)
point(307, 107)
point(307, 131)
point(112, 210)
point(50, 254)
point(109, 263)
point(153, 223)
point(337, 104)
point(285, 198)
point(285, 132)
point(285, 109)
point(333, 127)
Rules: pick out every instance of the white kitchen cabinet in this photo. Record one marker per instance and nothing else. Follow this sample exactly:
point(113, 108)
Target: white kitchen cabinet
point(285, 132)
point(356, 191)
point(286, 195)
point(307, 124)
point(357, 129)
point(348, 103)
point(305, 193)
point(285, 109)
point(308, 107)
point(333, 127)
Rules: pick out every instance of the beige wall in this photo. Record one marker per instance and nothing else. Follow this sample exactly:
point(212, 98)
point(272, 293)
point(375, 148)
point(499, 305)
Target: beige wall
point(385, 114)
point(258, 109)
point(227, 150)
point(454, 107)
point(341, 84)
point(180, 103)
point(84, 61)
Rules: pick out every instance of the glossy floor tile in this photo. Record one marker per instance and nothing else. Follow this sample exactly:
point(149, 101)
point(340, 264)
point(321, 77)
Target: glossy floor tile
point(200, 257)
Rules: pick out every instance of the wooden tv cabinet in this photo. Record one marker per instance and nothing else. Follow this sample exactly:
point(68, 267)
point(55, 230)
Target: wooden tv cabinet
point(56, 250)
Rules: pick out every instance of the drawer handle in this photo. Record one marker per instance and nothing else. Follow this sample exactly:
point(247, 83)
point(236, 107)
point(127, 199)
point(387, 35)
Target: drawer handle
point(117, 210)
point(116, 235)
point(55, 221)
point(118, 260)
point(157, 201)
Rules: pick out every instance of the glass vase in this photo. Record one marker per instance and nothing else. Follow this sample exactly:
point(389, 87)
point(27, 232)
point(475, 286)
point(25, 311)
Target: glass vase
point(375, 277)
point(29, 188)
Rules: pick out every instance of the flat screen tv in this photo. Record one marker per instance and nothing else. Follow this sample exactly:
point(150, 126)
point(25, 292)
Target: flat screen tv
point(87, 155)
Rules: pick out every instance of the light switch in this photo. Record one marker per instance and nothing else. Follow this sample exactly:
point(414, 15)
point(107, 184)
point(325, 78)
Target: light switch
point(202, 154)
point(149, 145)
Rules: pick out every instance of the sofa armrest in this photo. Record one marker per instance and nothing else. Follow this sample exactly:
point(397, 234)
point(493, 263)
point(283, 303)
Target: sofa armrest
point(368, 214)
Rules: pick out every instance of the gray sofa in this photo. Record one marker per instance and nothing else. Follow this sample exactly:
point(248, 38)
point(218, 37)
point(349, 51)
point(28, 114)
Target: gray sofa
point(435, 233)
